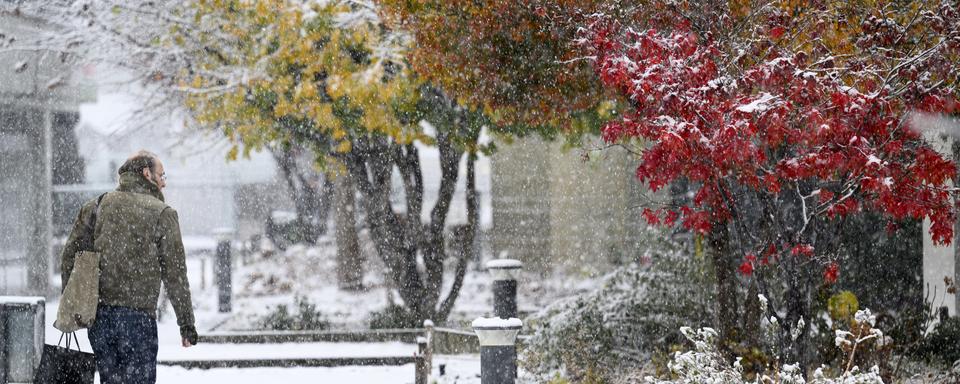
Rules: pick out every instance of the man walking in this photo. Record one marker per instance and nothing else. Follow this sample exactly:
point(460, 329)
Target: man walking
point(138, 238)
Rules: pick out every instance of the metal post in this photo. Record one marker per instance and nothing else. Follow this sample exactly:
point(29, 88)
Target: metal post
point(3, 345)
point(222, 269)
point(504, 273)
point(422, 370)
point(498, 349)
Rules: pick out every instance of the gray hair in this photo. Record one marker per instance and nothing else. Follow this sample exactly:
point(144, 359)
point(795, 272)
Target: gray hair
point(138, 162)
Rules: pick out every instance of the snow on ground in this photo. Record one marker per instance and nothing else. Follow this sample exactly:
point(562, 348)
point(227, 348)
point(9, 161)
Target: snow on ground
point(371, 375)
point(265, 281)
point(459, 369)
point(286, 351)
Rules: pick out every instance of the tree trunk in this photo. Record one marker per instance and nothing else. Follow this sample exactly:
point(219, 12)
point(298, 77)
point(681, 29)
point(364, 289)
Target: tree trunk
point(727, 309)
point(752, 316)
point(310, 191)
point(465, 238)
point(798, 301)
point(349, 259)
point(396, 242)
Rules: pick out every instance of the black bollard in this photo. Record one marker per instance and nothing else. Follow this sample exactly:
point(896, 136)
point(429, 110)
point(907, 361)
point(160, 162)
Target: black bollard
point(498, 349)
point(223, 270)
point(504, 273)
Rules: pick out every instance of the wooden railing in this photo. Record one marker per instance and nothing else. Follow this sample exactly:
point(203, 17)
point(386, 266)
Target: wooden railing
point(429, 340)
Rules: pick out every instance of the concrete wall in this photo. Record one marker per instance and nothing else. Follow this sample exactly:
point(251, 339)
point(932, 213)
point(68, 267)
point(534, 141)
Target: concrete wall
point(939, 262)
point(593, 206)
point(520, 190)
point(554, 207)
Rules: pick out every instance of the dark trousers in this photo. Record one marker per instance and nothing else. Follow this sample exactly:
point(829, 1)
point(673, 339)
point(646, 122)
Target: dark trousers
point(124, 341)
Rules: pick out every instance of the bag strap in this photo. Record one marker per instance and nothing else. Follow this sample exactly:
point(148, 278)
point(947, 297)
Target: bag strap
point(93, 221)
point(71, 335)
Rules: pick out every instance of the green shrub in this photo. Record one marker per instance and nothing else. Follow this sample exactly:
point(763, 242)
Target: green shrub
point(307, 318)
point(943, 344)
point(393, 316)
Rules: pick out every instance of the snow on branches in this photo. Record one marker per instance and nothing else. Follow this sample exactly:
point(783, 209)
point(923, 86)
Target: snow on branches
point(774, 128)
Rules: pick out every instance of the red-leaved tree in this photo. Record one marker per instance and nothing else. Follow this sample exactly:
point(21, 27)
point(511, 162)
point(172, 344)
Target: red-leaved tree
point(779, 153)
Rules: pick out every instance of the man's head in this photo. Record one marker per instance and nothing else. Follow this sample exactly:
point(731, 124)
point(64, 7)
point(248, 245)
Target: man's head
point(148, 165)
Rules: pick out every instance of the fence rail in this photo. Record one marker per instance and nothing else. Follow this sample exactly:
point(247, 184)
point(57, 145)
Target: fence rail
point(427, 340)
point(268, 337)
point(444, 340)
point(289, 363)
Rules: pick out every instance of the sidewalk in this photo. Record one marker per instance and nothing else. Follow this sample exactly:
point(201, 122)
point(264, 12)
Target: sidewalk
point(460, 369)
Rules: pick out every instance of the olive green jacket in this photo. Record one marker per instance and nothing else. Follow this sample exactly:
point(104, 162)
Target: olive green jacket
point(138, 238)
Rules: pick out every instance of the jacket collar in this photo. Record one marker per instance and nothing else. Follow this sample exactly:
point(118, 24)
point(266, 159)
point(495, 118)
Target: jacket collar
point(134, 182)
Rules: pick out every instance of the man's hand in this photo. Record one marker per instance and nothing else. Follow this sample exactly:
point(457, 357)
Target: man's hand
point(189, 336)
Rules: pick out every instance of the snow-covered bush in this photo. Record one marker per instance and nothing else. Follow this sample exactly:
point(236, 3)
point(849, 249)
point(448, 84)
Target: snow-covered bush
point(705, 364)
point(306, 318)
point(618, 328)
point(393, 316)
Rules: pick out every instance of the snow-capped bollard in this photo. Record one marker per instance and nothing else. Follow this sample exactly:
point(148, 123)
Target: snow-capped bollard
point(428, 326)
point(21, 337)
point(223, 269)
point(498, 349)
point(504, 273)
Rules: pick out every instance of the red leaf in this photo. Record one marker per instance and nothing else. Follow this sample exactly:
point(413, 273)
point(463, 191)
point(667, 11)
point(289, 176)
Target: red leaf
point(831, 273)
point(698, 222)
point(651, 217)
point(892, 227)
point(825, 196)
point(671, 218)
point(773, 185)
point(802, 249)
point(771, 250)
point(776, 32)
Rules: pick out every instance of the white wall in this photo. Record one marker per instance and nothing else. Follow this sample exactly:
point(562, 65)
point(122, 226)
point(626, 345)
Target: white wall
point(938, 261)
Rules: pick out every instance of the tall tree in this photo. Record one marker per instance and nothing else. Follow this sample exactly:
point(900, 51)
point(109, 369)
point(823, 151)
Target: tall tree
point(765, 122)
point(334, 79)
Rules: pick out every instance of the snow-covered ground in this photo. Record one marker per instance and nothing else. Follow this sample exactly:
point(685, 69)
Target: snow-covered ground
point(459, 369)
point(264, 282)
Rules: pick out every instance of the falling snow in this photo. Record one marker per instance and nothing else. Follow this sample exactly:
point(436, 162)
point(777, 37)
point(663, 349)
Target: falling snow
point(682, 193)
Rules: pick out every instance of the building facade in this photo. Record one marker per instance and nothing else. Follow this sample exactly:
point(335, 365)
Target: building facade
point(38, 111)
point(556, 207)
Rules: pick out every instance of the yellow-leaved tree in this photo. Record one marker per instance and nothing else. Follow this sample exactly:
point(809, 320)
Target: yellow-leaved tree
point(331, 77)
